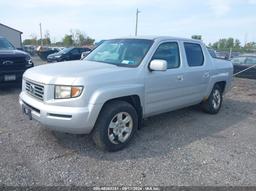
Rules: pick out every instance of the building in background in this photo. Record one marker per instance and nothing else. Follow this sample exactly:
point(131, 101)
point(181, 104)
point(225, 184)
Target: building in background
point(13, 35)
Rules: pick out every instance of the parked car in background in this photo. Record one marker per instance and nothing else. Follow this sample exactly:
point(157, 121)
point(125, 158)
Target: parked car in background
point(67, 54)
point(13, 63)
point(30, 49)
point(243, 62)
point(227, 55)
point(44, 51)
point(121, 82)
point(84, 54)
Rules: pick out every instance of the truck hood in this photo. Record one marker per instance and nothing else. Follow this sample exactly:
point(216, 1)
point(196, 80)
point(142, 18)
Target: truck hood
point(12, 53)
point(70, 73)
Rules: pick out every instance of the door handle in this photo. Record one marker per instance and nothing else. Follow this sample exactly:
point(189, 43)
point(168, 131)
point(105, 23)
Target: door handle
point(180, 77)
point(206, 75)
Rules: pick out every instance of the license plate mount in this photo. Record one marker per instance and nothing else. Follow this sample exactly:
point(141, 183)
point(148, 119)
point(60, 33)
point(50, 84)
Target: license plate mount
point(27, 111)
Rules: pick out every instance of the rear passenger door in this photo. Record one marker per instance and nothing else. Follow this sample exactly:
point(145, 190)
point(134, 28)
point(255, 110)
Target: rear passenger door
point(197, 73)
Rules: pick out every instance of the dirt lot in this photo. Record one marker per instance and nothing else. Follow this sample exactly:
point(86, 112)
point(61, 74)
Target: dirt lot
point(185, 147)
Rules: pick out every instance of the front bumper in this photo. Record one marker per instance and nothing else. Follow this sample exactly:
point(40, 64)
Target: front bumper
point(75, 120)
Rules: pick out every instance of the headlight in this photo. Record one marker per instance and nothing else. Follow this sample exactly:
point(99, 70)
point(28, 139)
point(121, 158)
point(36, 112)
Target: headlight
point(57, 56)
point(65, 92)
point(29, 61)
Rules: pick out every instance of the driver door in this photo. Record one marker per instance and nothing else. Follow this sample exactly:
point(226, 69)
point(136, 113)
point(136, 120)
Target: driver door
point(164, 90)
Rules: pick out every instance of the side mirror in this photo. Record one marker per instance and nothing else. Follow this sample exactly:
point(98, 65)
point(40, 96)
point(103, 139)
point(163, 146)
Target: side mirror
point(158, 65)
point(84, 54)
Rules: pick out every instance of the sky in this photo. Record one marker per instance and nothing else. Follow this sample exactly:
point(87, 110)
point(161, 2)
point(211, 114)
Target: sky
point(103, 19)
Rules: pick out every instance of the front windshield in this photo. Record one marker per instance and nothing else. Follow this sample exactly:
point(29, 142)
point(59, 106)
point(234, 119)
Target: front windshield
point(5, 44)
point(121, 51)
point(65, 50)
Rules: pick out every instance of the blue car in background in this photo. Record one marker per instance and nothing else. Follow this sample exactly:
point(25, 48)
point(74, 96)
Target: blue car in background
point(67, 54)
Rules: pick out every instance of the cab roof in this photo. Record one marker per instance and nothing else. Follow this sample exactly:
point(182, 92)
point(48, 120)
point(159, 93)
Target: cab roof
point(161, 38)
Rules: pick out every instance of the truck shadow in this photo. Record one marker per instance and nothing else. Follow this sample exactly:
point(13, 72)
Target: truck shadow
point(165, 133)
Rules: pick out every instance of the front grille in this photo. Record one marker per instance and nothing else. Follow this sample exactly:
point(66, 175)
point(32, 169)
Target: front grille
point(12, 62)
point(34, 89)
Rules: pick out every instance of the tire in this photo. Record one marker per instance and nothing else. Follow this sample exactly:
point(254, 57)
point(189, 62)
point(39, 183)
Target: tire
point(111, 132)
point(213, 104)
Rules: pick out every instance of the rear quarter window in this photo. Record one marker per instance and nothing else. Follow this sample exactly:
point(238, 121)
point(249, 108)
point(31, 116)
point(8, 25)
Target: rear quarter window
point(194, 54)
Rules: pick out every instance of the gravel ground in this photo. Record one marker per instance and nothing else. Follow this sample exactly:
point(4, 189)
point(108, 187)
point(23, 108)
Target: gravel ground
point(185, 147)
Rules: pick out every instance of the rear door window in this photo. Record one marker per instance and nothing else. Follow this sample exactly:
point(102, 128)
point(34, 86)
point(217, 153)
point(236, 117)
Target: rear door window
point(194, 54)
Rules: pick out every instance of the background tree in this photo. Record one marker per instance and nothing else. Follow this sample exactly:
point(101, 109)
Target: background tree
point(250, 45)
point(237, 44)
point(230, 43)
point(68, 40)
point(59, 43)
point(74, 38)
point(222, 44)
point(198, 37)
point(225, 44)
point(31, 41)
point(79, 38)
point(89, 41)
point(47, 39)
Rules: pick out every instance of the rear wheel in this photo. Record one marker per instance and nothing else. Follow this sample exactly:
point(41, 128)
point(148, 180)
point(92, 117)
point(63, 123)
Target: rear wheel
point(116, 125)
point(213, 104)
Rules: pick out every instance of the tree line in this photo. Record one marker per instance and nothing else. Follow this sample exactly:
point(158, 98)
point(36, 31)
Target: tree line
point(78, 38)
point(227, 44)
point(74, 38)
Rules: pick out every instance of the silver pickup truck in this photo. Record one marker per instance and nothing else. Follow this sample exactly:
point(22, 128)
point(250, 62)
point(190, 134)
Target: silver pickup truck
point(121, 82)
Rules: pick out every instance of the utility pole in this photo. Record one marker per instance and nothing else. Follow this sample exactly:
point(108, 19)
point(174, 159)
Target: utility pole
point(41, 34)
point(136, 25)
point(245, 39)
point(230, 53)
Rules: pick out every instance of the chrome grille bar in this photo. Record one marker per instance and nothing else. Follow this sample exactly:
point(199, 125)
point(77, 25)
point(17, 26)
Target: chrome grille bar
point(34, 89)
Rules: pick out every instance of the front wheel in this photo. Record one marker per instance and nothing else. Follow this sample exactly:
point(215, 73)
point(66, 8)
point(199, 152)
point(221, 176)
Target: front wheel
point(213, 104)
point(115, 126)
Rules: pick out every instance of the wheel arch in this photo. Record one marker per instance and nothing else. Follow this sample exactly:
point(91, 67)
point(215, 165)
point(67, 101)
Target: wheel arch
point(134, 100)
point(221, 82)
point(222, 85)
